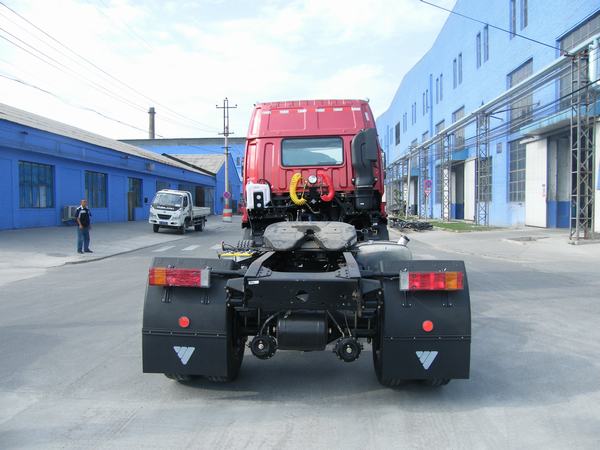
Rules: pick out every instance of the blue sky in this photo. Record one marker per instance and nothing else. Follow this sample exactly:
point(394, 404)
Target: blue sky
point(184, 57)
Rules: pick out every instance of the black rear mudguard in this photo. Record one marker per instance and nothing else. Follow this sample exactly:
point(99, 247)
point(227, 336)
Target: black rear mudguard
point(409, 352)
point(201, 348)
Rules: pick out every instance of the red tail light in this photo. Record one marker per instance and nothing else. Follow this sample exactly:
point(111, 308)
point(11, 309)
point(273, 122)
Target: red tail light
point(431, 281)
point(164, 276)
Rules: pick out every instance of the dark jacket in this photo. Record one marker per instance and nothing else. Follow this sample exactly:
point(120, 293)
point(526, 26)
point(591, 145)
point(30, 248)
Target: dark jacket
point(84, 215)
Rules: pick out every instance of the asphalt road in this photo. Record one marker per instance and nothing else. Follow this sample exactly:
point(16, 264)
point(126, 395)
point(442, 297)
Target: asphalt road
point(70, 372)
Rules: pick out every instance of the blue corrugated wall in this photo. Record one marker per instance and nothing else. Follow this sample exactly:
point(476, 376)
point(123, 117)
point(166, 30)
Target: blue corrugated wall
point(70, 159)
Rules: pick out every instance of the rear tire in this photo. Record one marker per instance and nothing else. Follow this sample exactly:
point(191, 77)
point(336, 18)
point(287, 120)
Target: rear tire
point(436, 382)
point(155, 228)
point(200, 226)
point(179, 377)
point(236, 345)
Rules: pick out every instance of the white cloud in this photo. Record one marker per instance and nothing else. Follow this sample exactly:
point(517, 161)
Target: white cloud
point(190, 55)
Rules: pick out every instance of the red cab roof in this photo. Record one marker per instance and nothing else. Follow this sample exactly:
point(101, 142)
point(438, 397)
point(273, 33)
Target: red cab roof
point(310, 118)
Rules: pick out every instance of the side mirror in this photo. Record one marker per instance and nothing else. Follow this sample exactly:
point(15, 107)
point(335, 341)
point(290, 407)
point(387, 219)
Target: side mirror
point(364, 156)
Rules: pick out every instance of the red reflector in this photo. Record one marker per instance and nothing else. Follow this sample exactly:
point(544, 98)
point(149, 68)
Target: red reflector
point(184, 322)
point(163, 276)
point(427, 326)
point(431, 281)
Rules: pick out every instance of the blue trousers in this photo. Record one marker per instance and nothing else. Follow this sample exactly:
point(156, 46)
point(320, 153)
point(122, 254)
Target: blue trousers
point(83, 239)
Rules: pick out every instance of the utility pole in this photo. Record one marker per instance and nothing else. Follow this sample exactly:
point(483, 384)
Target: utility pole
point(227, 213)
point(151, 113)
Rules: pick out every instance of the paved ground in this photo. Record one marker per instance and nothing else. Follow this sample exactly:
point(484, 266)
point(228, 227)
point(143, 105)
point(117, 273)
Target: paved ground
point(71, 372)
point(29, 252)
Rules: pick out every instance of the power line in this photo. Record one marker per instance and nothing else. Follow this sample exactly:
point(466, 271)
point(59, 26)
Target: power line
point(512, 33)
point(202, 125)
point(65, 69)
point(124, 26)
point(67, 102)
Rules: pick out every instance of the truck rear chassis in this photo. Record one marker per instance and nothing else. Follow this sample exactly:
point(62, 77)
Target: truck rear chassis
point(311, 285)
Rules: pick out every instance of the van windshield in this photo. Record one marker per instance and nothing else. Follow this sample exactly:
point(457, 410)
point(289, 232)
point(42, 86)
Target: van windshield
point(312, 152)
point(167, 199)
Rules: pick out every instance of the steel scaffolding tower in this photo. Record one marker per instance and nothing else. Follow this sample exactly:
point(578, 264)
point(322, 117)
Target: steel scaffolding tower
point(482, 170)
point(582, 149)
point(445, 172)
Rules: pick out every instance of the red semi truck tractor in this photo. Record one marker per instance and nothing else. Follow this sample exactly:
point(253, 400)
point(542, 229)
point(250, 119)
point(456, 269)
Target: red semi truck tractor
point(316, 269)
point(314, 160)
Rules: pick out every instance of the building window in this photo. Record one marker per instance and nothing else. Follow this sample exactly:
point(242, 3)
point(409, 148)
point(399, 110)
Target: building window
point(439, 144)
point(425, 136)
point(520, 110)
point(438, 183)
point(36, 185)
point(486, 43)
point(423, 103)
point(524, 17)
point(478, 49)
point(404, 122)
point(160, 185)
point(414, 113)
point(459, 135)
point(135, 185)
point(437, 91)
point(516, 174)
point(512, 20)
point(397, 130)
point(569, 41)
point(485, 190)
point(584, 31)
point(95, 189)
point(460, 68)
point(441, 87)
point(454, 74)
point(427, 100)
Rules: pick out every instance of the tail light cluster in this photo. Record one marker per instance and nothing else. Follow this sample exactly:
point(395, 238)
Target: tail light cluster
point(166, 276)
point(431, 281)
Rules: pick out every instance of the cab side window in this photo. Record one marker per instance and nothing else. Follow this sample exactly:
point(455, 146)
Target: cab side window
point(185, 202)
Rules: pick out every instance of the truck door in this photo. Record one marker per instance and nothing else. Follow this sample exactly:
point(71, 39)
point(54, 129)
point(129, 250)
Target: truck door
point(186, 206)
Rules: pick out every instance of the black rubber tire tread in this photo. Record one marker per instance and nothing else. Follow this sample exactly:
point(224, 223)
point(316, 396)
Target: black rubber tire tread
point(155, 228)
point(436, 382)
point(181, 229)
point(235, 352)
point(179, 377)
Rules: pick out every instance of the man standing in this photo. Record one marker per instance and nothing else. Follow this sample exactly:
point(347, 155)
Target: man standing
point(83, 217)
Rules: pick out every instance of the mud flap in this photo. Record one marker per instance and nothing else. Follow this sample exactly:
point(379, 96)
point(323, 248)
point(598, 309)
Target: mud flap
point(202, 347)
point(408, 352)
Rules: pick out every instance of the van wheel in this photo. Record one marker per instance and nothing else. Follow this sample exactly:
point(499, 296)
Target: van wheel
point(155, 228)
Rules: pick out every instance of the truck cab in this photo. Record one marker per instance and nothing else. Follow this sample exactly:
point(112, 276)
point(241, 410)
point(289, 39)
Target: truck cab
point(175, 209)
point(315, 160)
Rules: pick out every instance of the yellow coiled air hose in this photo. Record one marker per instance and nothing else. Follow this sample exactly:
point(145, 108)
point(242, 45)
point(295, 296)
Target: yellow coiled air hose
point(299, 201)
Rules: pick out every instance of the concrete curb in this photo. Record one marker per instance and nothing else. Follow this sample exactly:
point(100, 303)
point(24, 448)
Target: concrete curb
point(124, 252)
